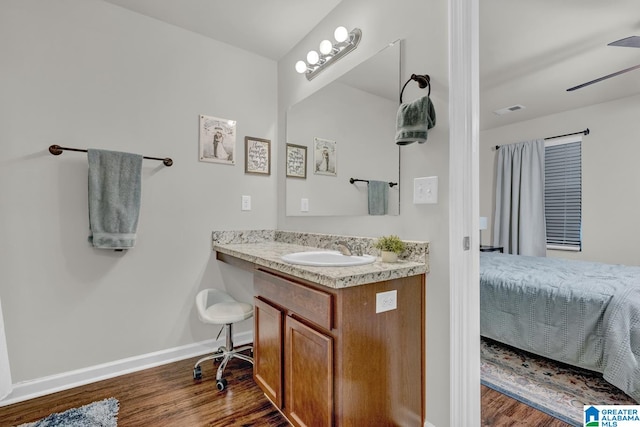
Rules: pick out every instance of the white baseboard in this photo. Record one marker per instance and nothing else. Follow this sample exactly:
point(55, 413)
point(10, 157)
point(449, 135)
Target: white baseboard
point(42, 386)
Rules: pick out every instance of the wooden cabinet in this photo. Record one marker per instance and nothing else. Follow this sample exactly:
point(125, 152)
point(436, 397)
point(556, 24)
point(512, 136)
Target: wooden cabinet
point(308, 375)
point(293, 357)
point(324, 356)
point(267, 357)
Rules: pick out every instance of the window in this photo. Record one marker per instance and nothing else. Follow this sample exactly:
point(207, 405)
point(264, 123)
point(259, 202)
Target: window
point(563, 193)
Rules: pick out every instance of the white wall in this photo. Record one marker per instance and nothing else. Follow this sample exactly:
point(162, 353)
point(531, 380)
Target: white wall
point(85, 73)
point(610, 153)
point(423, 26)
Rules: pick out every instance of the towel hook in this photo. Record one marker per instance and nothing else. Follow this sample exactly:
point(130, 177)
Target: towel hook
point(423, 81)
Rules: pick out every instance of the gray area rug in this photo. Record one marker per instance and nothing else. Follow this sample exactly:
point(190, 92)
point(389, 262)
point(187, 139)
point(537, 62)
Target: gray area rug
point(103, 413)
point(554, 388)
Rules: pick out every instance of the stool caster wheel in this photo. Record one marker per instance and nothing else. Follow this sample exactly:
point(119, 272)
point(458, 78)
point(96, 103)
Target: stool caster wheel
point(221, 384)
point(197, 373)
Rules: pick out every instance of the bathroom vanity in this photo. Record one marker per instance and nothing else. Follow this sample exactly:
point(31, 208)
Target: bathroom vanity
point(339, 346)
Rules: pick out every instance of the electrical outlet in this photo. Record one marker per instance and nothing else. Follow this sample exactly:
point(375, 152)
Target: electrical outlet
point(246, 203)
point(304, 205)
point(386, 301)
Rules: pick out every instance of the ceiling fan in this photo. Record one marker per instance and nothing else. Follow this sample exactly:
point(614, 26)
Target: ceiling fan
point(633, 41)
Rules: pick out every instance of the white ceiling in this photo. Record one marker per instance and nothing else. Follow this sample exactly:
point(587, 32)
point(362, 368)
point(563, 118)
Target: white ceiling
point(531, 51)
point(269, 28)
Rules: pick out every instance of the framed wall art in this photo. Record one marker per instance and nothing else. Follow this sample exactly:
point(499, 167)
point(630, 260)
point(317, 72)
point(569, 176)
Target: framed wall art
point(296, 161)
point(257, 155)
point(217, 140)
point(324, 157)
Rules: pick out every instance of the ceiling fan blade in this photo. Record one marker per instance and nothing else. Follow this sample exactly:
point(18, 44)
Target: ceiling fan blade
point(633, 41)
point(608, 76)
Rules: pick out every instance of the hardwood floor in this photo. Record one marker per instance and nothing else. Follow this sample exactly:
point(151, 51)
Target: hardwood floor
point(165, 396)
point(168, 396)
point(499, 410)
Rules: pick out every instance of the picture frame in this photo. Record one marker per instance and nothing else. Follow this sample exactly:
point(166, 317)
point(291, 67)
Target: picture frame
point(217, 140)
point(257, 156)
point(296, 161)
point(324, 157)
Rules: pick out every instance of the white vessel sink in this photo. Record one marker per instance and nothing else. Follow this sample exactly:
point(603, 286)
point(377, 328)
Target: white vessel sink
point(327, 259)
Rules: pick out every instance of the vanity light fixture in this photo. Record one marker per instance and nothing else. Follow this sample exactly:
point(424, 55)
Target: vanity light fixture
point(329, 52)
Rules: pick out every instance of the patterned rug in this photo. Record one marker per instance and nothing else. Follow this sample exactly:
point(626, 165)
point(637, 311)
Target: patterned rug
point(554, 388)
point(97, 414)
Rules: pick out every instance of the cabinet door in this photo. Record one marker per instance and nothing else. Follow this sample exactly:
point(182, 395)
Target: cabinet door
point(308, 375)
point(267, 350)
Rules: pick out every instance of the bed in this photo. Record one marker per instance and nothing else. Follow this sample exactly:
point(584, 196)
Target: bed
point(585, 314)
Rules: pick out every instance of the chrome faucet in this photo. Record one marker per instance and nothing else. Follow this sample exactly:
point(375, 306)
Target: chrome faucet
point(348, 250)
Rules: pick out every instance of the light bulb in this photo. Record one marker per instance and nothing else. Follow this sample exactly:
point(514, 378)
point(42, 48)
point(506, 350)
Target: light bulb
point(341, 34)
point(313, 57)
point(326, 47)
point(301, 66)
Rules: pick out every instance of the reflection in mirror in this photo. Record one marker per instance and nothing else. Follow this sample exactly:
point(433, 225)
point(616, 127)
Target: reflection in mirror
point(348, 128)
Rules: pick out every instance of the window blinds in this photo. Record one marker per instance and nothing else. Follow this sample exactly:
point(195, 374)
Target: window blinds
point(563, 195)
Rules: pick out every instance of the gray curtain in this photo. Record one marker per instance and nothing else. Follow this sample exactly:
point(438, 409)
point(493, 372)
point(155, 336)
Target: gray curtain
point(519, 224)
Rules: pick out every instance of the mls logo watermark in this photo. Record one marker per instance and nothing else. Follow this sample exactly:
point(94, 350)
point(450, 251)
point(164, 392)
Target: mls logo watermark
point(611, 416)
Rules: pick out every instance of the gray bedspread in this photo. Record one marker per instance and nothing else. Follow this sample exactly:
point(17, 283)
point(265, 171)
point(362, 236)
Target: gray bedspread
point(585, 314)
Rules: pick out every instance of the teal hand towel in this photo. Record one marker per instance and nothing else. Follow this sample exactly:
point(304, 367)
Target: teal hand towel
point(114, 198)
point(413, 121)
point(378, 197)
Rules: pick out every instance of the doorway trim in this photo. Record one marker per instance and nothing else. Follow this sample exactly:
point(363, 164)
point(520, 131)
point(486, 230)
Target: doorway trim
point(464, 242)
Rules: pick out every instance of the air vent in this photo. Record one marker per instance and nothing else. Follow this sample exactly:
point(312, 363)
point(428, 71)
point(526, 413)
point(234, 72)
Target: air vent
point(508, 110)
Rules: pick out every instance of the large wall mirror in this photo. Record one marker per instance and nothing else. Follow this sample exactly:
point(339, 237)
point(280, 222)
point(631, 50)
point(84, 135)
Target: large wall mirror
point(347, 130)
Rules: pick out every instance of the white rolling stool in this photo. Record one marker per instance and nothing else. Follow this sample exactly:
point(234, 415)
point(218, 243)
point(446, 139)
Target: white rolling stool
point(219, 308)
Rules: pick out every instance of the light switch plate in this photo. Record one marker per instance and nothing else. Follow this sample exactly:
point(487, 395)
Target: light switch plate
point(246, 203)
point(425, 190)
point(304, 205)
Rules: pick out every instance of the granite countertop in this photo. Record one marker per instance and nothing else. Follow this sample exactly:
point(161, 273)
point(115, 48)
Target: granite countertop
point(264, 248)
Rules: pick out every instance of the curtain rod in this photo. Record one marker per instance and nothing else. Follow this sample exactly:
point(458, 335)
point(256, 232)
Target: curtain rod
point(584, 132)
point(56, 150)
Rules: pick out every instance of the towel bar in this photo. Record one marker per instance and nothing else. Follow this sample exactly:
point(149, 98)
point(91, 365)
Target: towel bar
point(353, 180)
point(56, 150)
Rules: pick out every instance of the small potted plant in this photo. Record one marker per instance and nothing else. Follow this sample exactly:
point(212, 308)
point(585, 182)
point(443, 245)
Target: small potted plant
point(390, 247)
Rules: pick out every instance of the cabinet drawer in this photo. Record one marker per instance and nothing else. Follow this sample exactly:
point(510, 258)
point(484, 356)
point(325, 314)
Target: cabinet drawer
point(311, 304)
